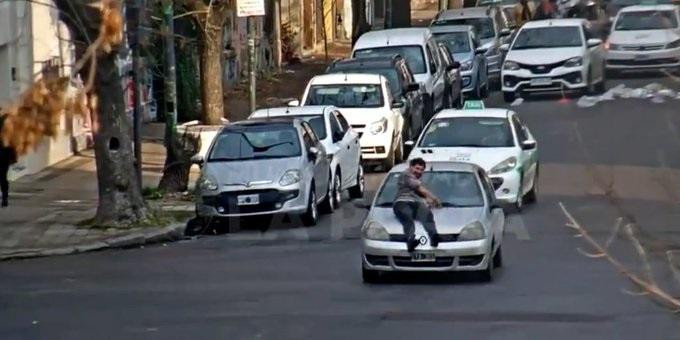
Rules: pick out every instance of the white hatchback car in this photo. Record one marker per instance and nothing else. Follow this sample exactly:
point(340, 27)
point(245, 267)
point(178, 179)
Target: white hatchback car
point(339, 140)
point(553, 55)
point(645, 37)
point(494, 139)
point(367, 104)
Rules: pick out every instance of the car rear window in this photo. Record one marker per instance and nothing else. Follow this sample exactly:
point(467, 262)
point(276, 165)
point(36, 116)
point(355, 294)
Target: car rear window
point(345, 95)
point(413, 54)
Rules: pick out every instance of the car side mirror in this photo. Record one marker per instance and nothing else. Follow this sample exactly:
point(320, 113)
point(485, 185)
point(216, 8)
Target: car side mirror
point(397, 104)
point(504, 47)
point(594, 42)
point(198, 160)
point(528, 145)
point(361, 204)
point(481, 50)
point(505, 32)
point(294, 103)
point(412, 87)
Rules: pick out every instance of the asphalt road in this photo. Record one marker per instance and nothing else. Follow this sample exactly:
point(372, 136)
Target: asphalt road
point(618, 159)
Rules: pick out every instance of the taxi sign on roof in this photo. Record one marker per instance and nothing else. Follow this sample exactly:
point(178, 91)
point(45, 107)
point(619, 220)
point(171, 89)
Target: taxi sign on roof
point(473, 105)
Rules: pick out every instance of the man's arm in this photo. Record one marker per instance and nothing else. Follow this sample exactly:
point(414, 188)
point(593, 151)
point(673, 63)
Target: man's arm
point(430, 197)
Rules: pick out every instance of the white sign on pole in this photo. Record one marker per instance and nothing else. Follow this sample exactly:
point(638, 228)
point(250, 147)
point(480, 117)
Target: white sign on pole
point(249, 8)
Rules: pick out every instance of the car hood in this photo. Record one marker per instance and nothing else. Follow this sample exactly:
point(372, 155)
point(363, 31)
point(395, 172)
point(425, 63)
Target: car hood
point(486, 158)
point(544, 56)
point(654, 37)
point(364, 116)
point(487, 43)
point(448, 220)
point(251, 173)
point(463, 57)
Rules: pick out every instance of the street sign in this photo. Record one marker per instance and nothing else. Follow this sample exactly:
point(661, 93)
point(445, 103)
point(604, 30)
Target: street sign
point(473, 105)
point(249, 8)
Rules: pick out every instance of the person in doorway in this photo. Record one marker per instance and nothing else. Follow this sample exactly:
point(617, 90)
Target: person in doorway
point(524, 11)
point(547, 9)
point(413, 202)
point(7, 157)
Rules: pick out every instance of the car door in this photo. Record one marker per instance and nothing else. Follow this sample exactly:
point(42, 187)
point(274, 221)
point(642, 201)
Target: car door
point(414, 98)
point(527, 157)
point(319, 163)
point(436, 74)
point(352, 154)
point(341, 147)
point(495, 217)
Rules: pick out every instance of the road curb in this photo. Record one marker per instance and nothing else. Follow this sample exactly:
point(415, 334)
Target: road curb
point(171, 233)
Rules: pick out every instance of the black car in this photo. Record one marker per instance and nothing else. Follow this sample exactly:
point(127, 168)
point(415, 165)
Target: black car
point(402, 85)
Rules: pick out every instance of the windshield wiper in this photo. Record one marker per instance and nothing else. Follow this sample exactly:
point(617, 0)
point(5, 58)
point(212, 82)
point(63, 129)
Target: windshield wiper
point(267, 147)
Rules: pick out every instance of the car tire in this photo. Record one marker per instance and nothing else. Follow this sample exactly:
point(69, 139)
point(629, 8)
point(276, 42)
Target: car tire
point(370, 276)
point(498, 258)
point(519, 203)
point(601, 87)
point(311, 216)
point(357, 191)
point(197, 226)
point(532, 195)
point(487, 274)
point(399, 151)
point(508, 97)
point(328, 204)
point(389, 162)
point(337, 189)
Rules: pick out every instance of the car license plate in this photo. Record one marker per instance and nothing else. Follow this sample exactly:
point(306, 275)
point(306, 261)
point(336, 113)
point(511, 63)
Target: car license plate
point(248, 199)
point(641, 57)
point(541, 81)
point(422, 257)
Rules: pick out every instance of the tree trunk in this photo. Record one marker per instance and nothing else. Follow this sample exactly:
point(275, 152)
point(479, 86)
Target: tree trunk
point(401, 13)
point(210, 49)
point(178, 163)
point(120, 198)
point(359, 23)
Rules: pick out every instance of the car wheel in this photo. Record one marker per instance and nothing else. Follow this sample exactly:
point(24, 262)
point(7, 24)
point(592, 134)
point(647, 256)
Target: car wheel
point(498, 258)
point(357, 191)
point(399, 152)
point(311, 216)
point(388, 162)
point(508, 97)
point(590, 86)
point(197, 226)
point(337, 189)
point(370, 276)
point(532, 195)
point(519, 203)
point(487, 274)
point(328, 204)
point(602, 85)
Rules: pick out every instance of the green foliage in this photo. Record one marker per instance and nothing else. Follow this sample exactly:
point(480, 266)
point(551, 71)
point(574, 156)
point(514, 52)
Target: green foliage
point(187, 83)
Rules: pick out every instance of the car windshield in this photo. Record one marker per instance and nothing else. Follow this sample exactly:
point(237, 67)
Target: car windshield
point(548, 37)
point(413, 54)
point(468, 132)
point(483, 26)
point(256, 142)
point(454, 189)
point(646, 20)
point(389, 73)
point(457, 42)
point(341, 95)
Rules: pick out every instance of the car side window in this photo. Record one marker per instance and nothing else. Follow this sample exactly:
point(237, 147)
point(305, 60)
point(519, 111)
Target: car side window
point(431, 59)
point(587, 33)
point(336, 130)
point(343, 122)
point(488, 187)
point(307, 138)
point(519, 128)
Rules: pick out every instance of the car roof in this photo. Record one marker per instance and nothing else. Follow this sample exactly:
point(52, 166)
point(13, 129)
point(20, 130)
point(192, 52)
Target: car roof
point(393, 37)
point(307, 110)
point(346, 78)
point(261, 121)
point(460, 13)
point(554, 22)
point(488, 113)
point(452, 28)
point(439, 166)
point(642, 8)
point(369, 62)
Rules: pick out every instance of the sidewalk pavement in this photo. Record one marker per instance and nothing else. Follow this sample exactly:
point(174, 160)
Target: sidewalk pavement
point(46, 208)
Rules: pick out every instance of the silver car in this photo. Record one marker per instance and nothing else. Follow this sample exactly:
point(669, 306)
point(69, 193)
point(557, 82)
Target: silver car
point(264, 167)
point(470, 225)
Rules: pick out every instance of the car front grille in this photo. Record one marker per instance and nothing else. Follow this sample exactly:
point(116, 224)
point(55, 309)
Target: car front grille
point(641, 47)
point(403, 261)
point(442, 237)
point(541, 69)
point(269, 200)
point(644, 62)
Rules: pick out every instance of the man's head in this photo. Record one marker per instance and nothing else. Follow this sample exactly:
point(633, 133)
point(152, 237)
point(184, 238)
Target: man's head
point(417, 167)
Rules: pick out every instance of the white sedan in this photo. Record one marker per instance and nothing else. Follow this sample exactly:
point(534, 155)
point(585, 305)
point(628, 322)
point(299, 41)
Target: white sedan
point(339, 140)
point(553, 55)
point(645, 37)
point(494, 139)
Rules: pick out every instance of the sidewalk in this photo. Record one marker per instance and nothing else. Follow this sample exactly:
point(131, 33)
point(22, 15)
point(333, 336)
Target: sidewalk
point(46, 208)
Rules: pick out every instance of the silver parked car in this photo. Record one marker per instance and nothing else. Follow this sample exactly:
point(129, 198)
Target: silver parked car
point(263, 167)
point(470, 225)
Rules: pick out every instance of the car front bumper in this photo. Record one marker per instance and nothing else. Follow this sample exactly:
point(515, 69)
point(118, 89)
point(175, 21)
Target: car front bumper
point(375, 147)
point(469, 80)
point(291, 200)
point(558, 79)
point(637, 60)
point(449, 256)
point(507, 186)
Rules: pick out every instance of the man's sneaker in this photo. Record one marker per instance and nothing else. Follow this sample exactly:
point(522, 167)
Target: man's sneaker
point(411, 244)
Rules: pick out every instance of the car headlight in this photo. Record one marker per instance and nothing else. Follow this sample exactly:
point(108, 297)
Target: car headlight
point(208, 183)
point(504, 166)
point(674, 44)
point(471, 232)
point(375, 231)
point(510, 65)
point(573, 62)
point(378, 127)
point(466, 65)
point(290, 177)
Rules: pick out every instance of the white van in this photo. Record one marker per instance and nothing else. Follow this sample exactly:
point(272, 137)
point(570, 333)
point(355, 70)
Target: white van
point(418, 47)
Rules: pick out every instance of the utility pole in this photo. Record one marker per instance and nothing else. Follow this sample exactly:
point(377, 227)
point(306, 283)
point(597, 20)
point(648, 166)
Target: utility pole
point(170, 89)
point(277, 34)
point(251, 62)
point(134, 9)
